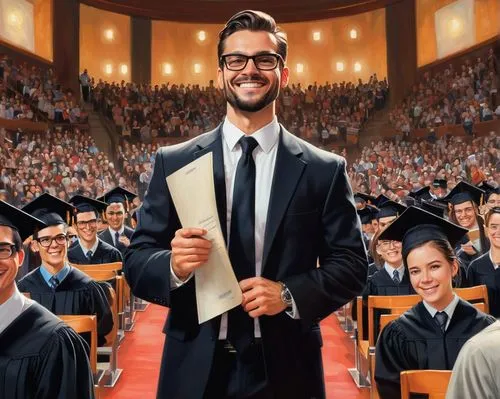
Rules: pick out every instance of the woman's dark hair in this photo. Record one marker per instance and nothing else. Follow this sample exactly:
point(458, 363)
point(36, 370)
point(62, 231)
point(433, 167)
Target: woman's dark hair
point(254, 21)
point(377, 259)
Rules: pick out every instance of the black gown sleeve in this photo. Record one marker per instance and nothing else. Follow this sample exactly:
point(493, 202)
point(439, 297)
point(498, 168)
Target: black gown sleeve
point(391, 358)
point(63, 369)
point(102, 308)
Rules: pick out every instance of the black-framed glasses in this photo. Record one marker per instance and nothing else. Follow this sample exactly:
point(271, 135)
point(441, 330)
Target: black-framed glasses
point(87, 223)
point(263, 62)
point(7, 250)
point(46, 242)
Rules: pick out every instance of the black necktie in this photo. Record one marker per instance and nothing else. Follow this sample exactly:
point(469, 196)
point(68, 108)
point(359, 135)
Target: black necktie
point(395, 277)
point(242, 240)
point(54, 282)
point(117, 239)
point(89, 255)
point(441, 319)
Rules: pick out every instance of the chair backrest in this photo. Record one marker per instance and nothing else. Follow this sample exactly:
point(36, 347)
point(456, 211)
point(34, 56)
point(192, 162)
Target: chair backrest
point(114, 266)
point(85, 324)
point(434, 383)
point(386, 302)
point(478, 293)
point(359, 316)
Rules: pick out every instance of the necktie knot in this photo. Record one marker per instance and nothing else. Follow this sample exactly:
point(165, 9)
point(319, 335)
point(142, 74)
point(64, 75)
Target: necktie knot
point(248, 144)
point(117, 238)
point(89, 254)
point(441, 319)
point(395, 277)
point(54, 281)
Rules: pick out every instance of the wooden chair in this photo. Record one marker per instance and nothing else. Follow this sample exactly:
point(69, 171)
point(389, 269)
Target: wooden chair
point(112, 372)
point(115, 266)
point(87, 324)
point(476, 294)
point(434, 383)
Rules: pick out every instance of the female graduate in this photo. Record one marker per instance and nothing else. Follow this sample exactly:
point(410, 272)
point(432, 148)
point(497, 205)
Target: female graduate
point(485, 269)
point(429, 335)
point(55, 284)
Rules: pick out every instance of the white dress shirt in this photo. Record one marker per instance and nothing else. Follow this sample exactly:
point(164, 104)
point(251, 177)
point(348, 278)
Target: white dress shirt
point(264, 156)
point(12, 308)
point(86, 250)
point(449, 310)
point(389, 269)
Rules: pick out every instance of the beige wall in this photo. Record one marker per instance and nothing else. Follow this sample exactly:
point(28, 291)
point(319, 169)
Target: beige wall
point(43, 28)
point(487, 20)
point(177, 44)
point(96, 51)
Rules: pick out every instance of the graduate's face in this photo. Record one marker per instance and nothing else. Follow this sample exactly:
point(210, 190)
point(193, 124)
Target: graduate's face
point(115, 215)
point(55, 254)
point(383, 222)
point(10, 266)
point(493, 230)
point(493, 201)
point(431, 275)
point(390, 252)
point(465, 214)
point(86, 225)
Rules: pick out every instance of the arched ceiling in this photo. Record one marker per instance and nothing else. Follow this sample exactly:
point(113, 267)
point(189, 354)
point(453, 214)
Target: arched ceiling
point(218, 11)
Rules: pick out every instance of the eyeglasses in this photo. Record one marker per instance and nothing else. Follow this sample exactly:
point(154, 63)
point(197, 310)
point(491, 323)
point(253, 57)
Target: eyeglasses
point(46, 242)
point(7, 250)
point(87, 223)
point(466, 211)
point(263, 62)
point(385, 244)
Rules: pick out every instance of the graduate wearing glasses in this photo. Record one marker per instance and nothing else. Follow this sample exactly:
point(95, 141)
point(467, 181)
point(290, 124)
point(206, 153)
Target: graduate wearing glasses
point(55, 284)
point(89, 249)
point(431, 334)
point(40, 357)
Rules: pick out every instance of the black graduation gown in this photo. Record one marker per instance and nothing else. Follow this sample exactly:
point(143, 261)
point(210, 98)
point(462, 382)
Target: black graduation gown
point(104, 253)
point(105, 235)
point(77, 294)
point(381, 284)
point(414, 341)
point(481, 271)
point(372, 269)
point(42, 358)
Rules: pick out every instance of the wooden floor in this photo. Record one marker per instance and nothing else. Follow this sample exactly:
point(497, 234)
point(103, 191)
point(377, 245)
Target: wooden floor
point(140, 356)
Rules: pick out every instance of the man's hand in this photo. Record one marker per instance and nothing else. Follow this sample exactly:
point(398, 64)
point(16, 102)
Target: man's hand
point(124, 240)
point(469, 248)
point(261, 297)
point(189, 251)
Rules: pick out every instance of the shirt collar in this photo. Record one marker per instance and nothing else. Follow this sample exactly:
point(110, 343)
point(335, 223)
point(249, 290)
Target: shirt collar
point(120, 232)
point(495, 266)
point(11, 309)
point(93, 249)
point(61, 275)
point(266, 137)
point(448, 309)
point(389, 269)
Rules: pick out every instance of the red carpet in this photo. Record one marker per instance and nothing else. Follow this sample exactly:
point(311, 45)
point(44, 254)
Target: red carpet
point(141, 351)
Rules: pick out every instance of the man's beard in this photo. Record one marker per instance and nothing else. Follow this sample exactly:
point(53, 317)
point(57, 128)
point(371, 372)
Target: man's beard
point(252, 105)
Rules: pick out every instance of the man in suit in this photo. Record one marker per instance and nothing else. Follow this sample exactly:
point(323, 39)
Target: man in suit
point(283, 204)
point(117, 234)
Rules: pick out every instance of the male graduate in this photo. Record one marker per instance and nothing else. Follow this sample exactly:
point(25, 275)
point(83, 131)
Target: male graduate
point(55, 284)
point(117, 234)
point(90, 249)
point(40, 357)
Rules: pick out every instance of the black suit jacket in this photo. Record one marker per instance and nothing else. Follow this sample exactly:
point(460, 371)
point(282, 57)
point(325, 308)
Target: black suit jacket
point(105, 235)
point(311, 215)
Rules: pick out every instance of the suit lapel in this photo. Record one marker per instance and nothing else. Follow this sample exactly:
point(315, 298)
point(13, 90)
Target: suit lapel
point(212, 142)
point(287, 172)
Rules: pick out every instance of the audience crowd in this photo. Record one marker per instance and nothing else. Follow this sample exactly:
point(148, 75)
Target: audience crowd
point(460, 95)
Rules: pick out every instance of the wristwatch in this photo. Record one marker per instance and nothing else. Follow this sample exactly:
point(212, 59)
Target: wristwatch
point(286, 295)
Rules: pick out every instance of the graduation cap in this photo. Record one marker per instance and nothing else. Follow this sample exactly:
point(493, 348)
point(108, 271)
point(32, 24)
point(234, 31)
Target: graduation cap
point(434, 207)
point(488, 190)
point(19, 220)
point(421, 194)
point(443, 183)
point(390, 208)
point(360, 197)
point(86, 204)
point(464, 192)
point(367, 214)
point(417, 226)
point(381, 199)
point(50, 210)
point(118, 195)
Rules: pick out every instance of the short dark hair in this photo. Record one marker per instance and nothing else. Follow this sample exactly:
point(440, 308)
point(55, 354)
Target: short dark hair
point(16, 239)
point(254, 21)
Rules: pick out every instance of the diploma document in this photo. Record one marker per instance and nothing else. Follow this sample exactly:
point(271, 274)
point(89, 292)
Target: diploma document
point(192, 190)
